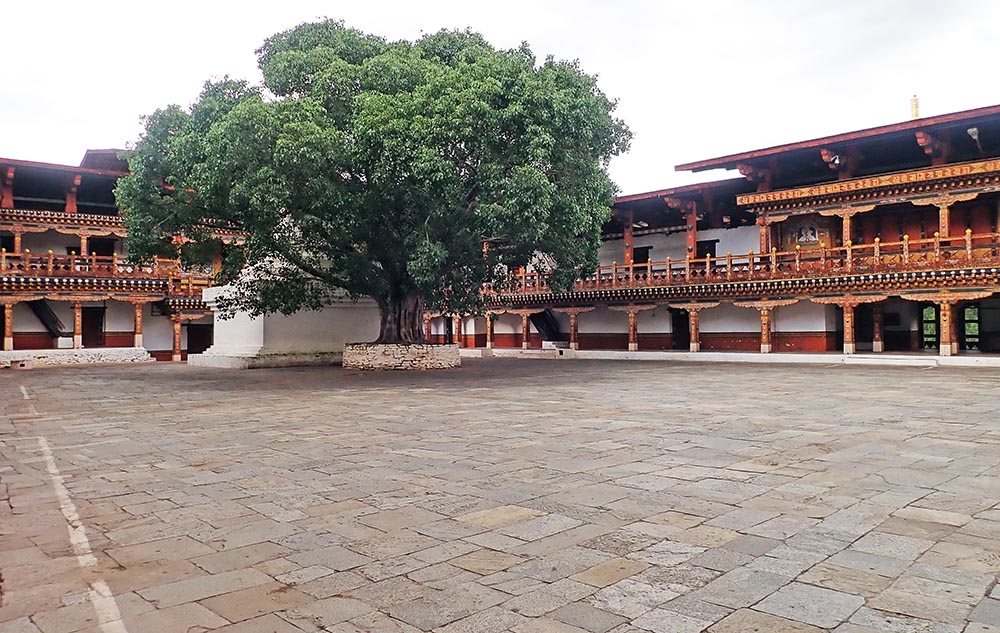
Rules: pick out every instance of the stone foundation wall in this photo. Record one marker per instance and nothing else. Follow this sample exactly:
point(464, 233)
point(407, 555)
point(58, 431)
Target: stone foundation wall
point(262, 361)
point(47, 357)
point(374, 356)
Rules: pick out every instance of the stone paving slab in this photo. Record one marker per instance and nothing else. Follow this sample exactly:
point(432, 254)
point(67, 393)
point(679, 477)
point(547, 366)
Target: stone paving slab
point(510, 495)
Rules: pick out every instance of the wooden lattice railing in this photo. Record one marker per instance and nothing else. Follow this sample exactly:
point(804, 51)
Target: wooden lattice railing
point(924, 254)
point(50, 265)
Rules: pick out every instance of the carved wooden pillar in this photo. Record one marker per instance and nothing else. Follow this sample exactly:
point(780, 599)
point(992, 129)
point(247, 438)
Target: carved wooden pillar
point(629, 241)
point(947, 328)
point(8, 327)
point(71, 194)
point(7, 190)
point(944, 219)
point(457, 329)
point(17, 242)
point(176, 352)
point(633, 331)
point(427, 328)
point(849, 344)
point(846, 233)
point(695, 330)
point(574, 324)
point(692, 229)
point(137, 331)
point(84, 248)
point(77, 325)
point(765, 235)
point(489, 330)
point(878, 320)
point(525, 331)
point(765, 330)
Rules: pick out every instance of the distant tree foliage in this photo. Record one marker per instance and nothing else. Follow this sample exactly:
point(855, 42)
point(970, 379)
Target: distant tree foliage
point(410, 172)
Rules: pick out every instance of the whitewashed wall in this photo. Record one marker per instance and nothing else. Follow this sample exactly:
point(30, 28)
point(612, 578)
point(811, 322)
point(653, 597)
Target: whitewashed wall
point(326, 330)
point(739, 241)
point(804, 316)
point(603, 320)
point(655, 321)
point(509, 324)
point(729, 318)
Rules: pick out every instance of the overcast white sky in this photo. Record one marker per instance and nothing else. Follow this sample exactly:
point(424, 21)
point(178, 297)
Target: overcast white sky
point(695, 79)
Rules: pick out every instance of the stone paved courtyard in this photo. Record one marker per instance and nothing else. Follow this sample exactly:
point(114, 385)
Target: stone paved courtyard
point(525, 496)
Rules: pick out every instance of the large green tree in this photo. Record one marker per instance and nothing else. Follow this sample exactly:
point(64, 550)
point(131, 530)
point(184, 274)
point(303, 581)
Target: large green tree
point(410, 172)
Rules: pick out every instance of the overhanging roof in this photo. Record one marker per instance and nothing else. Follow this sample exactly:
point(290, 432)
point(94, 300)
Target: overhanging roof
point(954, 118)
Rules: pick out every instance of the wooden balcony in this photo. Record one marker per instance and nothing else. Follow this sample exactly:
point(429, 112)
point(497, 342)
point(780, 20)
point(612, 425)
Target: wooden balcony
point(931, 254)
point(175, 281)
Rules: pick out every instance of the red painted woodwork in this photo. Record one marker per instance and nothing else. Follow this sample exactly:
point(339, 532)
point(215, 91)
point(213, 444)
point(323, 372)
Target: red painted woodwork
point(474, 340)
point(804, 341)
point(514, 340)
point(603, 340)
point(33, 340)
point(655, 341)
point(118, 339)
point(730, 341)
point(166, 355)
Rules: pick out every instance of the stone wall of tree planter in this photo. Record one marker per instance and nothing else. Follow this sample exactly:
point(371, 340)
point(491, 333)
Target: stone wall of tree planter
point(400, 357)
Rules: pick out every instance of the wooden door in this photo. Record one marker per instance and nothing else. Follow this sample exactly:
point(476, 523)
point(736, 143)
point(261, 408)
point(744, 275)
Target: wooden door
point(93, 327)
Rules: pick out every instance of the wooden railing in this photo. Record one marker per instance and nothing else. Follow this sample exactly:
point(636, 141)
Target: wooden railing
point(26, 263)
point(906, 255)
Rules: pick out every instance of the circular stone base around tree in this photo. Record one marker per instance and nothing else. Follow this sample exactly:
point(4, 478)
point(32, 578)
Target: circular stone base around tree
point(402, 357)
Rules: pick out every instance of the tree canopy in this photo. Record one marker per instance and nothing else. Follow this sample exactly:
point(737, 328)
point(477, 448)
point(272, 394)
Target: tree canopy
point(410, 172)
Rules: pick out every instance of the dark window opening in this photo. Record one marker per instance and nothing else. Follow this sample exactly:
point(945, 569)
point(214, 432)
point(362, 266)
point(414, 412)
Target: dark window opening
point(640, 254)
point(705, 248)
point(102, 247)
point(7, 243)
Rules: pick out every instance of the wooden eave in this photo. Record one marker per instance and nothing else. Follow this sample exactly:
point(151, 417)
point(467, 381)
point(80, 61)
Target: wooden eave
point(15, 162)
point(731, 161)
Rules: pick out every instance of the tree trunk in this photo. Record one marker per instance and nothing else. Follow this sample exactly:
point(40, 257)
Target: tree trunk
point(402, 319)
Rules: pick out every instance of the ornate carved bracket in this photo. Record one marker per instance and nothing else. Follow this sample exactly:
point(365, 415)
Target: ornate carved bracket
point(847, 211)
point(633, 309)
point(946, 199)
point(849, 300)
point(950, 297)
point(765, 304)
point(695, 307)
point(574, 310)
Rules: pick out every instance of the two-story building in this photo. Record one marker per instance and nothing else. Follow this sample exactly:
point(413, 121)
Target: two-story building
point(66, 285)
point(878, 240)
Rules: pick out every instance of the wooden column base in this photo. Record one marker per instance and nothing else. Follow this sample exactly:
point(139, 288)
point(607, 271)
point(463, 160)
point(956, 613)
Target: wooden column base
point(878, 346)
point(574, 345)
point(695, 347)
point(137, 340)
point(633, 347)
point(765, 348)
point(850, 348)
point(77, 341)
point(8, 343)
point(948, 349)
point(526, 345)
point(489, 344)
point(175, 357)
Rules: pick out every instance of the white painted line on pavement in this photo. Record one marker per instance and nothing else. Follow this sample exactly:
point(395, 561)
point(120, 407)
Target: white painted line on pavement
point(108, 614)
point(24, 392)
